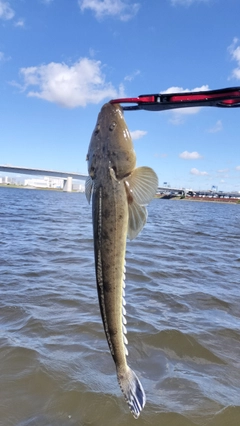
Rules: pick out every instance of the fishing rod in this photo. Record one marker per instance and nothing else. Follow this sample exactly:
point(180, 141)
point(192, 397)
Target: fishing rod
point(224, 98)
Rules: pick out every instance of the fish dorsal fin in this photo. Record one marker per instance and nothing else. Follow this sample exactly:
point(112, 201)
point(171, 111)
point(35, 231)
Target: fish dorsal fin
point(88, 188)
point(141, 186)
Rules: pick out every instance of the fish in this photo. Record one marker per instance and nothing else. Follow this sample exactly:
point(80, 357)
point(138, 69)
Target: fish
point(119, 193)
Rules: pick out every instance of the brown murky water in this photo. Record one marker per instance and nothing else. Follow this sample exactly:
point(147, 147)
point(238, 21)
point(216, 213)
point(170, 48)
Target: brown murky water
point(183, 310)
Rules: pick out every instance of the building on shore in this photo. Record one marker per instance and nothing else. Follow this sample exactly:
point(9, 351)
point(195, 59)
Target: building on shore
point(6, 180)
point(78, 187)
point(46, 182)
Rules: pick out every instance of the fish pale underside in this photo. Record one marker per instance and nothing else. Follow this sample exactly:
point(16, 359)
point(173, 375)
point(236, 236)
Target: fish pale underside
point(120, 193)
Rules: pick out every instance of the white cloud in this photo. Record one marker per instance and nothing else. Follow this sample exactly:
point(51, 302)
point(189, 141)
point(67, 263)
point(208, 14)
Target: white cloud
point(238, 168)
point(197, 172)
point(234, 50)
point(177, 89)
point(69, 86)
point(223, 170)
point(178, 115)
point(216, 128)
point(20, 23)
point(190, 155)
point(3, 57)
point(118, 8)
point(6, 12)
point(137, 134)
point(131, 77)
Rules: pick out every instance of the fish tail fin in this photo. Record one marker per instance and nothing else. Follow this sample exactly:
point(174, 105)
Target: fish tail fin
point(132, 390)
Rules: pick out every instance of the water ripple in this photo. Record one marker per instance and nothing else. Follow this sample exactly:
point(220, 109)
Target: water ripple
point(183, 311)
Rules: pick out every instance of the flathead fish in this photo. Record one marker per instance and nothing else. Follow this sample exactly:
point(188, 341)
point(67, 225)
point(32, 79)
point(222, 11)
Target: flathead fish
point(120, 193)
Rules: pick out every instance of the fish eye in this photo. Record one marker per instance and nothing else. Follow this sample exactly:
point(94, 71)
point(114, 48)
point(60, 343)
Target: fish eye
point(112, 126)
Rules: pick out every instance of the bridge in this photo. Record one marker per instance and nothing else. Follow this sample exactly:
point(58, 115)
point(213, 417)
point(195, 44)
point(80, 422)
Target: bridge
point(170, 189)
point(67, 176)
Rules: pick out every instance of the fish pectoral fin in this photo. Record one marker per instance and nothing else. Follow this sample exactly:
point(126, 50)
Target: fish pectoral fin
point(136, 220)
point(141, 186)
point(88, 188)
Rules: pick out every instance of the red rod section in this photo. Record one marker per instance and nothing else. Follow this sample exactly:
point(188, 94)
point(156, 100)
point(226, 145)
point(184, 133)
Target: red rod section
point(198, 97)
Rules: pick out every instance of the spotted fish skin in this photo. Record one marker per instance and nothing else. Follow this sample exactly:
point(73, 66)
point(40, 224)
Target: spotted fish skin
point(119, 194)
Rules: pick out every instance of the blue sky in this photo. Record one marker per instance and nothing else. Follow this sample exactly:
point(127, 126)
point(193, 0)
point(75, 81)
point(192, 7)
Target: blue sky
point(61, 60)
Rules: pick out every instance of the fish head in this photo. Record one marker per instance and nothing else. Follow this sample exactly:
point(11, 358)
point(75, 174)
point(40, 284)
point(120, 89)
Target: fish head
point(111, 144)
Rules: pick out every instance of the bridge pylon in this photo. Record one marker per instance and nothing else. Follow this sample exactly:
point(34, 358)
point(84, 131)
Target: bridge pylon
point(67, 184)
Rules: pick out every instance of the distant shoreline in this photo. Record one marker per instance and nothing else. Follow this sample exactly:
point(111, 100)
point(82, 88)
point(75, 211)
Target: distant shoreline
point(204, 199)
point(199, 199)
point(3, 185)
